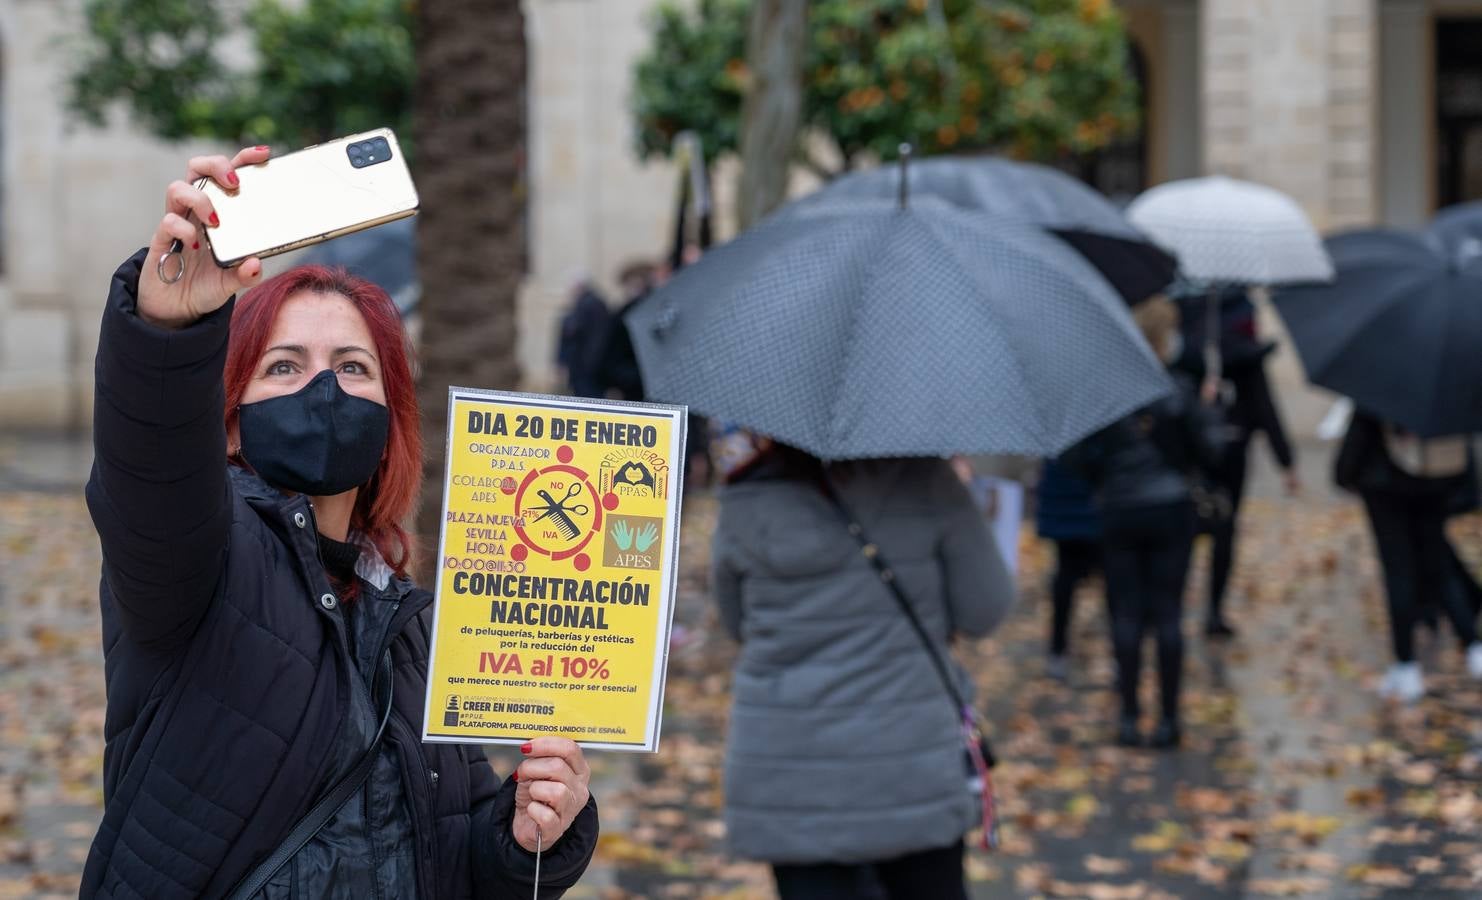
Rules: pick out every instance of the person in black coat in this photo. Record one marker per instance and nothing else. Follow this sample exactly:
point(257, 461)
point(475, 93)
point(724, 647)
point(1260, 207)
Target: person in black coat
point(1247, 407)
point(1140, 468)
point(1066, 514)
point(265, 650)
point(616, 374)
point(1409, 487)
point(583, 341)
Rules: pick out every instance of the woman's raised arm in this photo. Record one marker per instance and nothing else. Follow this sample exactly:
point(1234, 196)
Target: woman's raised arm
point(158, 492)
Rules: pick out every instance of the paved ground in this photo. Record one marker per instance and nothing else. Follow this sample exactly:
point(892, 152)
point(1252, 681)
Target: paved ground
point(1294, 781)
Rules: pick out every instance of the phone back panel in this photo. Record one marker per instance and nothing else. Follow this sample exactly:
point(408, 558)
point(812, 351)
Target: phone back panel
point(306, 197)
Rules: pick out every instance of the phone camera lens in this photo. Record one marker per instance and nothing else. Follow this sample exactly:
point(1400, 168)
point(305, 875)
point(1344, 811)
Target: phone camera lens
point(369, 152)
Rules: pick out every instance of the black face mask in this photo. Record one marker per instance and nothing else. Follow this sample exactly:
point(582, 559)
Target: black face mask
point(319, 441)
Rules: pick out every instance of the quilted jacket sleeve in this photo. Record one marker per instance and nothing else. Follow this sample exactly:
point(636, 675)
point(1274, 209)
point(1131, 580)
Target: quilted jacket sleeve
point(158, 492)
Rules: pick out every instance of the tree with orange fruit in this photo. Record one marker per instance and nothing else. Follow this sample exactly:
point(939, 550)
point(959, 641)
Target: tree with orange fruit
point(1034, 79)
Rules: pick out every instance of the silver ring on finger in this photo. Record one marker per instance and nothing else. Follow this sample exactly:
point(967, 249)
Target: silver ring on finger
point(171, 265)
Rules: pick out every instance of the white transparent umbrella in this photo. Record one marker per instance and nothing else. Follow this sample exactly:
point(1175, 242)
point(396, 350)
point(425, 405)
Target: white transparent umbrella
point(1228, 231)
point(1225, 231)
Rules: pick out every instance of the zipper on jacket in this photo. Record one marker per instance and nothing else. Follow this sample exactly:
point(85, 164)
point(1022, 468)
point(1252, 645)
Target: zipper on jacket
point(358, 683)
point(370, 836)
point(409, 750)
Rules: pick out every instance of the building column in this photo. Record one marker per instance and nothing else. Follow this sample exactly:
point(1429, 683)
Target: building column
point(1353, 113)
point(1291, 100)
point(37, 338)
point(1406, 114)
point(593, 205)
point(1182, 135)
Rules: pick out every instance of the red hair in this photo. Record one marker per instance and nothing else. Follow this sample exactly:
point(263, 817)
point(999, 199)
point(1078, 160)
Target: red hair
point(386, 500)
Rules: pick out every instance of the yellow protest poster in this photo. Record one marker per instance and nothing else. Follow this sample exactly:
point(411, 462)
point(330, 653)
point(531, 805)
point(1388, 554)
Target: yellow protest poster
point(558, 558)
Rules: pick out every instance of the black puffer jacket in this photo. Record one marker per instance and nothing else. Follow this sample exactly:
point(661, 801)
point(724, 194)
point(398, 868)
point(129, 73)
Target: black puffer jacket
point(1148, 458)
point(230, 676)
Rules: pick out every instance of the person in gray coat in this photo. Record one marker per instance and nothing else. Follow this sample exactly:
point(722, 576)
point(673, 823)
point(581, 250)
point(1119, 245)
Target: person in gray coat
point(845, 763)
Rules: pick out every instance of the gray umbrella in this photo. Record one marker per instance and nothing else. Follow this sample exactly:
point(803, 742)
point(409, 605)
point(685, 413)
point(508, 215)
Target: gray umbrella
point(1009, 190)
point(857, 330)
point(1002, 188)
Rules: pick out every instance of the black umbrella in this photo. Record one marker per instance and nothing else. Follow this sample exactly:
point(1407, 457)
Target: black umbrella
point(1399, 330)
point(1457, 226)
point(1029, 193)
point(1136, 267)
point(385, 255)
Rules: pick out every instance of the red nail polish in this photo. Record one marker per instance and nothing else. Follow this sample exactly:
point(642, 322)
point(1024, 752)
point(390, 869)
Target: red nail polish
point(214, 220)
point(526, 748)
point(261, 147)
point(515, 774)
point(231, 177)
point(196, 245)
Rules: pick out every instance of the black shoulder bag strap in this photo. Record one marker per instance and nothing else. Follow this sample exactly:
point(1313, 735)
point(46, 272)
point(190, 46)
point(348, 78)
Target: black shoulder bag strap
point(980, 753)
point(328, 805)
point(871, 552)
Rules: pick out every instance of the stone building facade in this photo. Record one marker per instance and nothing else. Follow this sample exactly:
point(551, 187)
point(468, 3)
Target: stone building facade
point(1366, 111)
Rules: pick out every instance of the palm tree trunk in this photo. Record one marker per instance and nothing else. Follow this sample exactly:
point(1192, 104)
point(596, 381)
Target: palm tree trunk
point(469, 125)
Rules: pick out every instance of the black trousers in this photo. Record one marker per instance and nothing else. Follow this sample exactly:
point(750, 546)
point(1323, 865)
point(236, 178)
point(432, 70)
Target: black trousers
point(1075, 561)
point(1231, 477)
point(1147, 564)
point(1419, 567)
point(1470, 589)
point(931, 873)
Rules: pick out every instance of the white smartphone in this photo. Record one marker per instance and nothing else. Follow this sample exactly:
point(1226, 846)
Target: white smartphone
point(309, 196)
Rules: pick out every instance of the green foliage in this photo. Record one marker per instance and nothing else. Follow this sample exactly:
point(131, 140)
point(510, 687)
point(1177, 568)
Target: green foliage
point(692, 77)
point(330, 68)
point(1038, 79)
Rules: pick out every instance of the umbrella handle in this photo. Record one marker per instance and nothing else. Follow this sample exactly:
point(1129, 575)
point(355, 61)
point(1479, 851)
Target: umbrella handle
point(905, 189)
point(1213, 362)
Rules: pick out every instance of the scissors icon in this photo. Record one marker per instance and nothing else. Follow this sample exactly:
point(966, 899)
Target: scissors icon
point(561, 511)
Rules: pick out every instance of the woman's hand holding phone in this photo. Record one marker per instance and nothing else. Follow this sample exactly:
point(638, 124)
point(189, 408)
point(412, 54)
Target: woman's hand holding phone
point(204, 287)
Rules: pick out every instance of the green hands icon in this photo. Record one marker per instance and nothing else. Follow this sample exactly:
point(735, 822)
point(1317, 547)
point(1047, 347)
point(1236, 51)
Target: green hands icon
point(626, 537)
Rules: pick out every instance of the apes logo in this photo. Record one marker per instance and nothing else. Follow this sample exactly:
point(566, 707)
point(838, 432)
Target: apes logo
point(635, 473)
point(633, 542)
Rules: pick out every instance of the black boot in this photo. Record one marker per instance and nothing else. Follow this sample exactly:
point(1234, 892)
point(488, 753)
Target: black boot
point(1166, 736)
point(1218, 630)
point(1127, 733)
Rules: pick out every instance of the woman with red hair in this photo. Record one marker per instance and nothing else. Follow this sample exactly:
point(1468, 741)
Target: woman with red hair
point(266, 653)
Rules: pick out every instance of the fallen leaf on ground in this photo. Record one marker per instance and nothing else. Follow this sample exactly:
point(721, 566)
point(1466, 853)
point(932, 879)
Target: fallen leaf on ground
point(1325, 863)
point(1379, 875)
point(1160, 841)
point(1103, 865)
point(1287, 887)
